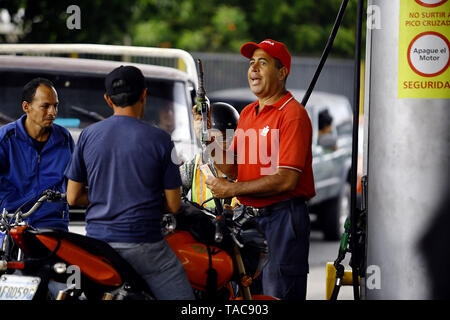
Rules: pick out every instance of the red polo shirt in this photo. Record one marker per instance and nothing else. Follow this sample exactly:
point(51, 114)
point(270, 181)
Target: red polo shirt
point(280, 136)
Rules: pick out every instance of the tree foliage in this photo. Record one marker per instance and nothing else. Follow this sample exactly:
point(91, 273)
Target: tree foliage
point(213, 25)
point(45, 21)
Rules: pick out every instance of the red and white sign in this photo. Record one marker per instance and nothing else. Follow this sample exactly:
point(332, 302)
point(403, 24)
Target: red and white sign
point(428, 54)
point(431, 3)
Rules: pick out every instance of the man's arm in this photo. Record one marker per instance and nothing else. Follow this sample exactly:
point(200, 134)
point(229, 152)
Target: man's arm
point(284, 180)
point(173, 199)
point(77, 194)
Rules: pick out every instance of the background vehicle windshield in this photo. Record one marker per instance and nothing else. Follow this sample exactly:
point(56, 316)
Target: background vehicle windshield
point(81, 101)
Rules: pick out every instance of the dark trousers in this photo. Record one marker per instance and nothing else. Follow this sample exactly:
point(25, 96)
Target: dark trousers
point(287, 231)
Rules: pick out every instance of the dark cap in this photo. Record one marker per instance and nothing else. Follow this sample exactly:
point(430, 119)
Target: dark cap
point(125, 79)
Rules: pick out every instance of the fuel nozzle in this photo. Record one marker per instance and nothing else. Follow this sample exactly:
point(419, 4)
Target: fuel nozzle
point(203, 105)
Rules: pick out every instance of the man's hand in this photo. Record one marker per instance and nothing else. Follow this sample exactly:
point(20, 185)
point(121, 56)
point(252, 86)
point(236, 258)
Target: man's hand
point(284, 180)
point(220, 187)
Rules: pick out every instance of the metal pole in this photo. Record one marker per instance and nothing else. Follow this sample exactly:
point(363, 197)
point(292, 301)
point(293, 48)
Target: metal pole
point(353, 172)
point(408, 151)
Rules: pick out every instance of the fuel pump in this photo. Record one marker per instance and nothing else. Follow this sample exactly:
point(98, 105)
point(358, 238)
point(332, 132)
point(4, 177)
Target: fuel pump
point(407, 150)
point(353, 239)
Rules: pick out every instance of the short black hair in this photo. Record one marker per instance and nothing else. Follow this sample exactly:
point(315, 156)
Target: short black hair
point(279, 65)
point(29, 90)
point(325, 119)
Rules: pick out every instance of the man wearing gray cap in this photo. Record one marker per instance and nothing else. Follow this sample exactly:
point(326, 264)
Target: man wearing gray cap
point(127, 166)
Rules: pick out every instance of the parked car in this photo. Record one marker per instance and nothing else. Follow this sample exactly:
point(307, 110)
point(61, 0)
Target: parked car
point(331, 163)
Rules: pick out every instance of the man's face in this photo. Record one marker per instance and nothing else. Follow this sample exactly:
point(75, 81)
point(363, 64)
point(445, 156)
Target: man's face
point(263, 74)
point(220, 138)
point(43, 109)
point(167, 119)
point(198, 123)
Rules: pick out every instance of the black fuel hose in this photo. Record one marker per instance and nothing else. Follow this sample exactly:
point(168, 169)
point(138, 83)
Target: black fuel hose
point(326, 51)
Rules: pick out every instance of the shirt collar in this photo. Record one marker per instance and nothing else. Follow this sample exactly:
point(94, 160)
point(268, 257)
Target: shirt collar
point(22, 133)
point(279, 104)
point(283, 101)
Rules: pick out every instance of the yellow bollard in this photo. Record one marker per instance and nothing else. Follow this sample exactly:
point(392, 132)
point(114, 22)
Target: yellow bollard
point(347, 279)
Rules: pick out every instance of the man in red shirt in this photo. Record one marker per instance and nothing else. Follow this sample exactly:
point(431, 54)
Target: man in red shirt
point(273, 167)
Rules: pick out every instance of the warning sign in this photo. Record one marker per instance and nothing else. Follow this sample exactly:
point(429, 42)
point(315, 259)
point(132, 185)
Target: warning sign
point(428, 54)
point(424, 49)
point(430, 3)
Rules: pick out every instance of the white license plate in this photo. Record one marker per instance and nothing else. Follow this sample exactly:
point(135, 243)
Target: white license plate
point(14, 287)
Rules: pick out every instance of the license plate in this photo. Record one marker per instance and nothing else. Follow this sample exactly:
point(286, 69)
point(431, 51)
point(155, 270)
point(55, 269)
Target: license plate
point(14, 287)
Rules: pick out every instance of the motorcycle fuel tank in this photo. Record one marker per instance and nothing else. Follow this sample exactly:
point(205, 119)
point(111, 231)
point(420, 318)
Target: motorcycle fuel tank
point(195, 259)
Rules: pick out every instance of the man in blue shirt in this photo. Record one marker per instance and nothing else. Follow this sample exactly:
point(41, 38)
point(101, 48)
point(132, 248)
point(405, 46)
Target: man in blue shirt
point(130, 175)
point(33, 155)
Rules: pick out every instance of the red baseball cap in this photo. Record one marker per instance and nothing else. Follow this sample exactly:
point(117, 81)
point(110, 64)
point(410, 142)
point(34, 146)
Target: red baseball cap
point(274, 48)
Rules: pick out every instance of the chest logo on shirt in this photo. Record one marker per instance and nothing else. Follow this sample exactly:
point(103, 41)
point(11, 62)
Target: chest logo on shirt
point(265, 131)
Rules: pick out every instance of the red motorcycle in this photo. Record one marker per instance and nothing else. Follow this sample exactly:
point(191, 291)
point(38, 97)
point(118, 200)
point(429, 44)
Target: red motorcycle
point(216, 252)
point(30, 258)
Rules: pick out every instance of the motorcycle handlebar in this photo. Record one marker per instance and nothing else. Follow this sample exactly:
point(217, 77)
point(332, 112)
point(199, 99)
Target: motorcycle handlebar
point(236, 219)
point(230, 221)
point(47, 195)
point(242, 215)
